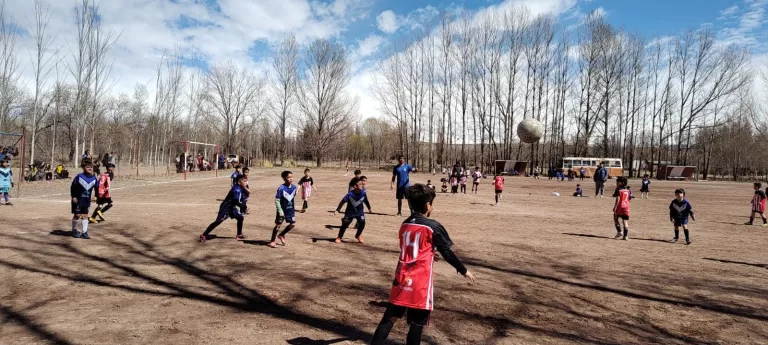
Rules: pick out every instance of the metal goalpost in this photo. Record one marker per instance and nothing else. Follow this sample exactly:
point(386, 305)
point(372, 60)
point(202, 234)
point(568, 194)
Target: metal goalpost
point(187, 143)
point(20, 159)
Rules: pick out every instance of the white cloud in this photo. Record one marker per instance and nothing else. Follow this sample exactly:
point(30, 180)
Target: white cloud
point(387, 22)
point(370, 45)
point(749, 29)
point(729, 11)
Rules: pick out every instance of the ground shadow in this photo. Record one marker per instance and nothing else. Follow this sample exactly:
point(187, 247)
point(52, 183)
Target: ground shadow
point(738, 263)
point(588, 235)
point(66, 233)
point(379, 304)
point(332, 227)
point(648, 239)
point(323, 239)
point(730, 223)
point(482, 203)
point(308, 341)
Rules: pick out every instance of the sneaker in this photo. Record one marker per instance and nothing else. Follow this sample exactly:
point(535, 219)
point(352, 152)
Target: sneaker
point(399, 215)
point(75, 234)
point(240, 237)
point(303, 210)
point(92, 221)
point(9, 204)
point(338, 240)
point(748, 223)
point(101, 215)
point(625, 238)
point(85, 236)
point(360, 239)
point(674, 240)
point(687, 243)
point(601, 197)
point(764, 225)
point(618, 235)
point(272, 245)
point(282, 239)
point(203, 238)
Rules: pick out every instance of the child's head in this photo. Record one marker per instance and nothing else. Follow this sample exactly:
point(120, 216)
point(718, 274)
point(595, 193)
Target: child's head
point(420, 198)
point(578, 185)
point(758, 185)
point(246, 171)
point(357, 184)
point(88, 167)
point(4, 163)
point(358, 173)
point(680, 193)
point(242, 181)
point(110, 168)
point(238, 167)
point(401, 159)
point(646, 176)
point(364, 180)
point(621, 181)
point(287, 177)
point(306, 172)
point(429, 181)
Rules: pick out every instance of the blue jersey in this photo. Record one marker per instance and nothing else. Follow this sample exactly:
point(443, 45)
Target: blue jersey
point(401, 174)
point(286, 195)
point(680, 209)
point(354, 201)
point(83, 185)
point(234, 198)
point(6, 177)
point(234, 177)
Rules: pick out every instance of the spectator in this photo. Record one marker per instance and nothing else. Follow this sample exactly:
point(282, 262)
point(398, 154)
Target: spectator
point(112, 158)
point(105, 159)
point(222, 161)
point(601, 175)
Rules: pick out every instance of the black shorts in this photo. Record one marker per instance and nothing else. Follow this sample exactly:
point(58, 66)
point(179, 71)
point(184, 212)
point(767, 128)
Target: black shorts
point(400, 192)
point(102, 201)
point(681, 222)
point(290, 217)
point(644, 190)
point(419, 317)
point(498, 191)
point(82, 206)
point(621, 216)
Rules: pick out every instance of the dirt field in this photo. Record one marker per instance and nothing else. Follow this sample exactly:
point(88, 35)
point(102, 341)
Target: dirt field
point(547, 268)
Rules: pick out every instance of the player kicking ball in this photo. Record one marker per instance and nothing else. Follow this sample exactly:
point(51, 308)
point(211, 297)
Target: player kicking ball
point(354, 200)
point(412, 291)
point(230, 208)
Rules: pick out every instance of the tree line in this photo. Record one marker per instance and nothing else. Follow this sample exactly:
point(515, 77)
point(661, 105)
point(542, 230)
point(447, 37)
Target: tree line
point(455, 89)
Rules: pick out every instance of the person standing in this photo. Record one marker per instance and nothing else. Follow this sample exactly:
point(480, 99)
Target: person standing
point(601, 175)
point(400, 173)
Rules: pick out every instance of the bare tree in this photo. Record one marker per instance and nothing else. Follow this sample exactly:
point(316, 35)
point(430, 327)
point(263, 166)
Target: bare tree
point(328, 110)
point(10, 92)
point(283, 84)
point(42, 66)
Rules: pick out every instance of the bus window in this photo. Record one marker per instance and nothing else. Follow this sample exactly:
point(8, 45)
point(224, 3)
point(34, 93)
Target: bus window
point(615, 164)
point(568, 163)
point(593, 163)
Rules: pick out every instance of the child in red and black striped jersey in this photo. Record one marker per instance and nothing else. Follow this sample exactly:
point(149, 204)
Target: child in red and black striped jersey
point(758, 205)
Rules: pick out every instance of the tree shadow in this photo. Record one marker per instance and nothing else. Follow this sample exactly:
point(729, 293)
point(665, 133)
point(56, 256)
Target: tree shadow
point(738, 263)
point(65, 233)
point(648, 239)
point(308, 341)
point(332, 227)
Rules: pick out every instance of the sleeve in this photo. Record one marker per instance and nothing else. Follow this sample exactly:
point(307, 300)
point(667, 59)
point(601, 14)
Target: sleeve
point(394, 174)
point(454, 260)
point(237, 197)
point(277, 194)
point(311, 181)
point(690, 209)
point(342, 202)
point(73, 187)
point(671, 210)
point(411, 168)
point(301, 181)
point(440, 238)
point(367, 203)
point(616, 193)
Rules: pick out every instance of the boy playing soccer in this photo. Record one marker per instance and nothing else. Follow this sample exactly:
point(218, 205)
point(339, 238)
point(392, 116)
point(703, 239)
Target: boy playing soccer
point(412, 290)
point(352, 181)
point(103, 195)
point(758, 205)
point(6, 182)
point(679, 211)
point(430, 185)
point(621, 208)
point(246, 192)
point(645, 187)
point(235, 174)
point(354, 200)
point(285, 210)
point(230, 208)
point(476, 175)
point(498, 185)
point(80, 191)
point(306, 183)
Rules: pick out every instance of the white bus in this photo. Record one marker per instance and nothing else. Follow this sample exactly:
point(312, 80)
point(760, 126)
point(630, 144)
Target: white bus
point(589, 164)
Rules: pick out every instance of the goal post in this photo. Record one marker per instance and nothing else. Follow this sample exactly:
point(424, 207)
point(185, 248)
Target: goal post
point(17, 147)
point(183, 160)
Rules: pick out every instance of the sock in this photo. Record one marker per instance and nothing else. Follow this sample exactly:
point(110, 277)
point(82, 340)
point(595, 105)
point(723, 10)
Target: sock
point(7, 197)
point(74, 224)
point(105, 208)
point(687, 235)
point(765, 221)
point(211, 227)
point(95, 212)
point(382, 331)
point(399, 206)
point(85, 225)
point(306, 205)
point(751, 220)
point(274, 233)
point(626, 232)
point(240, 226)
point(677, 234)
point(497, 198)
point(414, 334)
point(618, 228)
point(287, 229)
point(360, 227)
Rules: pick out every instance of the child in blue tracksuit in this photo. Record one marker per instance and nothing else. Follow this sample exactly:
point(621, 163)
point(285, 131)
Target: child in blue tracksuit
point(230, 208)
point(679, 211)
point(354, 200)
point(235, 174)
point(645, 187)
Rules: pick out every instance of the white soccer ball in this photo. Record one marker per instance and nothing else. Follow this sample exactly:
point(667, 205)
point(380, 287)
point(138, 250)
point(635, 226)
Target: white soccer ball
point(530, 131)
point(555, 194)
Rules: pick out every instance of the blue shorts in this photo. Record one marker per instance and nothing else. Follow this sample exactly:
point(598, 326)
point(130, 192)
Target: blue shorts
point(290, 217)
point(82, 206)
point(6, 189)
point(400, 193)
point(681, 222)
point(228, 212)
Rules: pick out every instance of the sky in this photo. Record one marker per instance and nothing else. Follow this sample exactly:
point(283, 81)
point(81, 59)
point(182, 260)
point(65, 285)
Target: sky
point(246, 32)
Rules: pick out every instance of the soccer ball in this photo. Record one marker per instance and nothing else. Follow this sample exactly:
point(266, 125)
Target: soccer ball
point(530, 131)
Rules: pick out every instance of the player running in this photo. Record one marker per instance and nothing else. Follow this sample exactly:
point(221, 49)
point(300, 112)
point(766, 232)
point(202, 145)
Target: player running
point(284, 199)
point(103, 195)
point(306, 183)
point(354, 200)
point(230, 208)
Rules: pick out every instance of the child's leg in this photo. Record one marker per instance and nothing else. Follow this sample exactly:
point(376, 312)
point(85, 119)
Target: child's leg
point(391, 315)
point(212, 226)
point(497, 198)
point(626, 227)
point(106, 208)
point(399, 206)
point(617, 225)
point(287, 230)
point(677, 233)
point(762, 215)
point(360, 227)
point(96, 212)
point(84, 222)
point(274, 233)
point(75, 223)
point(687, 234)
point(239, 220)
point(345, 222)
point(751, 218)
point(306, 204)
point(7, 197)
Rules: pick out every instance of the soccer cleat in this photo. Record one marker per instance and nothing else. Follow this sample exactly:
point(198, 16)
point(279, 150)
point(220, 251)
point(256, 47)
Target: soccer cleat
point(9, 204)
point(303, 210)
point(618, 235)
point(282, 239)
point(272, 245)
point(75, 234)
point(338, 240)
point(203, 238)
point(687, 243)
point(360, 239)
point(240, 237)
point(92, 221)
point(674, 240)
point(625, 238)
point(101, 215)
point(748, 223)
point(601, 197)
point(85, 236)
point(764, 225)
point(399, 215)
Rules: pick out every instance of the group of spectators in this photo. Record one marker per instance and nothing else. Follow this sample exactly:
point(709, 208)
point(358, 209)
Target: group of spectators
point(7, 153)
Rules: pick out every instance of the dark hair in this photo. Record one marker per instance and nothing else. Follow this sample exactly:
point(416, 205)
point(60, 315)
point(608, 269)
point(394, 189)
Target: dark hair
point(240, 178)
point(758, 185)
point(110, 165)
point(646, 175)
point(354, 181)
point(363, 178)
point(86, 163)
point(419, 196)
point(358, 172)
point(399, 157)
point(306, 170)
point(680, 191)
point(285, 174)
point(246, 169)
point(238, 166)
point(621, 180)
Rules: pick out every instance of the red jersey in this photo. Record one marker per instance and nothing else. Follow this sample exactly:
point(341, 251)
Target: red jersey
point(758, 201)
point(498, 182)
point(104, 183)
point(419, 238)
point(622, 204)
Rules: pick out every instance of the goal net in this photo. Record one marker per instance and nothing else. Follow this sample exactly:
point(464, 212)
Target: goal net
point(195, 157)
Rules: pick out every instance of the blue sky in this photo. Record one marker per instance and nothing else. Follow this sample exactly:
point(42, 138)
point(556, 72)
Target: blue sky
point(244, 31)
